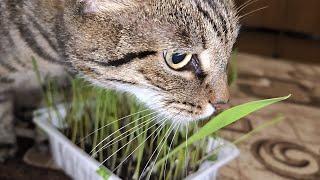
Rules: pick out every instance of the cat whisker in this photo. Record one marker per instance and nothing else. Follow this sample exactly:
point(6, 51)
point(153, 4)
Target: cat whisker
point(246, 4)
point(111, 124)
point(146, 168)
point(165, 140)
point(196, 127)
point(243, 4)
point(162, 125)
point(186, 152)
point(165, 166)
point(251, 12)
point(123, 128)
point(116, 140)
point(105, 126)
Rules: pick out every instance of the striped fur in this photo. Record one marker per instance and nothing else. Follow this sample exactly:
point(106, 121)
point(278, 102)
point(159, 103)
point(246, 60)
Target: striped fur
point(22, 36)
point(119, 44)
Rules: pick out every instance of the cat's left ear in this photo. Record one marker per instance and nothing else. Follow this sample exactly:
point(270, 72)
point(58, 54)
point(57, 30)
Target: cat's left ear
point(95, 6)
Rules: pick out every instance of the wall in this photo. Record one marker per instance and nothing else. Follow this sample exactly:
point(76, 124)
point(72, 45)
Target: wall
point(286, 28)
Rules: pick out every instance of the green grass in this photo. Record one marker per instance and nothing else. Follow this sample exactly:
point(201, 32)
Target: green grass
point(136, 146)
point(233, 69)
point(131, 141)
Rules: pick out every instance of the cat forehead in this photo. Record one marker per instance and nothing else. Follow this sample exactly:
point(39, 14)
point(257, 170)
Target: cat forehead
point(211, 23)
point(190, 25)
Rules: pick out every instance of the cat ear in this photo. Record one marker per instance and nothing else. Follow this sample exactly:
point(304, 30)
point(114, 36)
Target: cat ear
point(94, 6)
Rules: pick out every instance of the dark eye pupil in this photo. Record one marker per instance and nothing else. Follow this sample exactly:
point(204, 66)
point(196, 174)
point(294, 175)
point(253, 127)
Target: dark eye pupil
point(178, 58)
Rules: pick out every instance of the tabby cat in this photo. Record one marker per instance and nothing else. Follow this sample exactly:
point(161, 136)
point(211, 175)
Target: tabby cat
point(171, 54)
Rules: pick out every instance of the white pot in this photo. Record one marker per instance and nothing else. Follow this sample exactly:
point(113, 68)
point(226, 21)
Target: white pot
point(80, 166)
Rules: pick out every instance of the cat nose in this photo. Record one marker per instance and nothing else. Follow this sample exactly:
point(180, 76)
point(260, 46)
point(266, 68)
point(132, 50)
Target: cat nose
point(218, 92)
point(220, 99)
point(220, 106)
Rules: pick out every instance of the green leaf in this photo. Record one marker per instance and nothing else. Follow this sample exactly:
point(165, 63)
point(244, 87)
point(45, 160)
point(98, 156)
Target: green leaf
point(259, 128)
point(224, 119)
point(104, 173)
point(213, 157)
point(36, 69)
point(233, 70)
point(213, 154)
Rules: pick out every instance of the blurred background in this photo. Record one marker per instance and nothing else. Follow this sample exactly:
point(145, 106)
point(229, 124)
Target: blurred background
point(278, 53)
point(288, 29)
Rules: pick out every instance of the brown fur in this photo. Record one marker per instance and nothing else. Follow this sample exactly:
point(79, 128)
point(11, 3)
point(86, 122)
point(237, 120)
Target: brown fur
point(93, 36)
point(105, 36)
point(119, 44)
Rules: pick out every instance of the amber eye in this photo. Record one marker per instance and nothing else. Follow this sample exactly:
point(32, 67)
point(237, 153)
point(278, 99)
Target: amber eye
point(177, 60)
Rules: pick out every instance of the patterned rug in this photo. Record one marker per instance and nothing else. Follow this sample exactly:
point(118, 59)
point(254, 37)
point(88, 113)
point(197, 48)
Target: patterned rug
point(290, 149)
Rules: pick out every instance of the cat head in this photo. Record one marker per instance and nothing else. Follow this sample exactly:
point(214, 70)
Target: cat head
point(171, 54)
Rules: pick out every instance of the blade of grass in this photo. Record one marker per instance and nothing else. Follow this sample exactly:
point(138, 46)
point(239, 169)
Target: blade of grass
point(225, 118)
point(244, 137)
point(259, 128)
point(140, 152)
point(104, 173)
point(233, 70)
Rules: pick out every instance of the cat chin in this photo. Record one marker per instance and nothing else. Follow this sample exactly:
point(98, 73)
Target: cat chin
point(208, 112)
point(184, 119)
point(155, 101)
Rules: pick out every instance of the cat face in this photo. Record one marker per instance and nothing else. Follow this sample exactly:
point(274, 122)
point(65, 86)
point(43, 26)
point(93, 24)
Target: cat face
point(171, 54)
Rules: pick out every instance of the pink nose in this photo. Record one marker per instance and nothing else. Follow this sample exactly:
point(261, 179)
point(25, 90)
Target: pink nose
point(219, 98)
point(221, 106)
point(218, 92)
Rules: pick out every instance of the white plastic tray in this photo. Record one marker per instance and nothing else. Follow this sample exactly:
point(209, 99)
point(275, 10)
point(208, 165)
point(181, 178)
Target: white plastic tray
point(80, 166)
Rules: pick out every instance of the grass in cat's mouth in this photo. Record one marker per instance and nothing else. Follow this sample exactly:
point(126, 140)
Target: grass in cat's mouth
point(218, 109)
point(206, 119)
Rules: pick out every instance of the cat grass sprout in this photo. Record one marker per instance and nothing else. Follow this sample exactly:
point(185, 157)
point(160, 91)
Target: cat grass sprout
point(125, 138)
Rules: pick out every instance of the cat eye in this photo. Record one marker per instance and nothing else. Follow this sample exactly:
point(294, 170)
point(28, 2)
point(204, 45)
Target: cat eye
point(176, 60)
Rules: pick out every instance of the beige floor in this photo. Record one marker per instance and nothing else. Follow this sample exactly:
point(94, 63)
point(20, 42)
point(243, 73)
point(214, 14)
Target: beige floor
point(290, 149)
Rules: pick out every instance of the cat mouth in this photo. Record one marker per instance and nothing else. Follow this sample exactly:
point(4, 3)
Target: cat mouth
point(211, 117)
point(208, 118)
point(218, 108)
point(208, 113)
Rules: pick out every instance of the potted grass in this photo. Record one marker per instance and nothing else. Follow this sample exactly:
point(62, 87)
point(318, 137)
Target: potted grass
point(106, 135)
point(101, 134)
